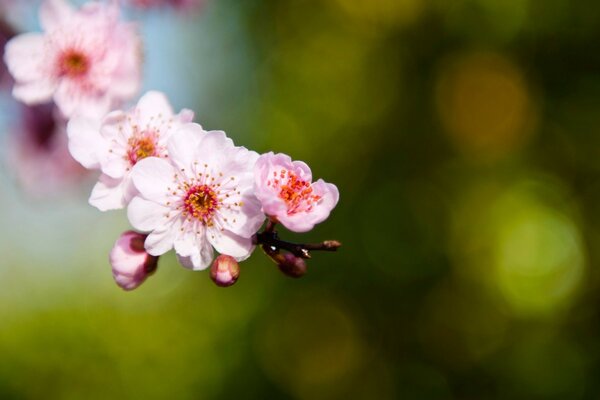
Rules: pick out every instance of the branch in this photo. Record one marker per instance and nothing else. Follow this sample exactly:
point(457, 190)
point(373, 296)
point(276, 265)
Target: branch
point(269, 239)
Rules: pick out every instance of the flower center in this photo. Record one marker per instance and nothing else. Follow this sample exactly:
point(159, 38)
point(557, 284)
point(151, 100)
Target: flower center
point(297, 193)
point(201, 202)
point(142, 146)
point(73, 63)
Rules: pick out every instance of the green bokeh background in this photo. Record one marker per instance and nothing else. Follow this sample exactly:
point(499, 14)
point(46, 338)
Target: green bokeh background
point(464, 139)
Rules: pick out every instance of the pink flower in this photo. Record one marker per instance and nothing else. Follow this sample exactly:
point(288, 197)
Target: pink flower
point(121, 140)
point(131, 265)
point(182, 5)
point(86, 60)
point(199, 198)
point(224, 271)
point(287, 195)
point(37, 152)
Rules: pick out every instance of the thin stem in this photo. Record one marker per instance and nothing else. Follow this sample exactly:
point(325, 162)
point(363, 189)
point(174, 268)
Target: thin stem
point(269, 240)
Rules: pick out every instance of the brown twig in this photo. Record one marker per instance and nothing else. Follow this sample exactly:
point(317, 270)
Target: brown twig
point(271, 243)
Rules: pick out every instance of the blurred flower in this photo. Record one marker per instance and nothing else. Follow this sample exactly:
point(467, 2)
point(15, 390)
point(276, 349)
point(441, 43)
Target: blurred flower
point(131, 265)
point(224, 271)
point(86, 60)
point(182, 5)
point(200, 197)
point(37, 152)
point(287, 194)
point(121, 140)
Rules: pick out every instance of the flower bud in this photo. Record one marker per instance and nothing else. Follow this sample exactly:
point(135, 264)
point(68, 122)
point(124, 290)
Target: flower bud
point(131, 264)
point(290, 265)
point(224, 271)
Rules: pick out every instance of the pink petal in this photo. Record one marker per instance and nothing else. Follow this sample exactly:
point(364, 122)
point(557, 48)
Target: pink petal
point(24, 56)
point(54, 13)
point(32, 93)
point(302, 170)
point(71, 100)
point(153, 177)
point(186, 116)
point(305, 221)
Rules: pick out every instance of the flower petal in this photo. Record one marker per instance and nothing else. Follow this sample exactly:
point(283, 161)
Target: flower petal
point(153, 177)
point(159, 242)
point(226, 242)
point(145, 215)
point(182, 145)
point(151, 105)
point(54, 13)
point(108, 194)
point(32, 93)
point(24, 57)
point(85, 142)
point(201, 257)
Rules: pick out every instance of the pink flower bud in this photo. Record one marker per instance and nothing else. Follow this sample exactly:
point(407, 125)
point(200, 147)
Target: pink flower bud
point(131, 264)
point(290, 265)
point(224, 271)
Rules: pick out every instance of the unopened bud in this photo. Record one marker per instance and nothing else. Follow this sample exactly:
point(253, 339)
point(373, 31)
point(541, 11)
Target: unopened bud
point(291, 265)
point(131, 264)
point(224, 271)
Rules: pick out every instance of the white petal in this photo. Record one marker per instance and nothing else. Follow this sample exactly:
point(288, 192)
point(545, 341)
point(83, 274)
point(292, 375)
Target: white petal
point(153, 104)
point(215, 149)
point(145, 215)
point(24, 57)
point(200, 258)
point(85, 143)
point(108, 194)
point(182, 145)
point(248, 218)
point(54, 13)
point(229, 243)
point(185, 243)
point(36, 92)
point(153, 177)
point(72, 99)
point(159, 242)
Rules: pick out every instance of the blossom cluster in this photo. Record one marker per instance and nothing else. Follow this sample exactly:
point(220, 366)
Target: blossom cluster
point(185, 188)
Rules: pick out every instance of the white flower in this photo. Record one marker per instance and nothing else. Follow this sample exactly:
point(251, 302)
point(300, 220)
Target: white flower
point(121, 140)
point(199, 198)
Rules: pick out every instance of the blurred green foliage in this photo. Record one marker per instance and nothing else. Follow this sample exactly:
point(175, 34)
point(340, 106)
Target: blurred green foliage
point(464, 138)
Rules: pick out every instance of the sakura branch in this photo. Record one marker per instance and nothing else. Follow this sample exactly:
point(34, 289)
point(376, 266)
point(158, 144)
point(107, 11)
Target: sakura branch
point(185, 188)
point(291, 260)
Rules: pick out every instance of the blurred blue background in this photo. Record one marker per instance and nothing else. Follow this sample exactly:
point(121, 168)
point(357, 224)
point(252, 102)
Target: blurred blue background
point(464, 138)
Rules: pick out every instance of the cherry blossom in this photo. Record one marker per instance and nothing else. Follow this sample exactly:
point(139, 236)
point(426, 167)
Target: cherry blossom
point(199, 198)
point(120, 141)
point(131, 265)
point(87, 60)
point(182, 5)
point(287, 195)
